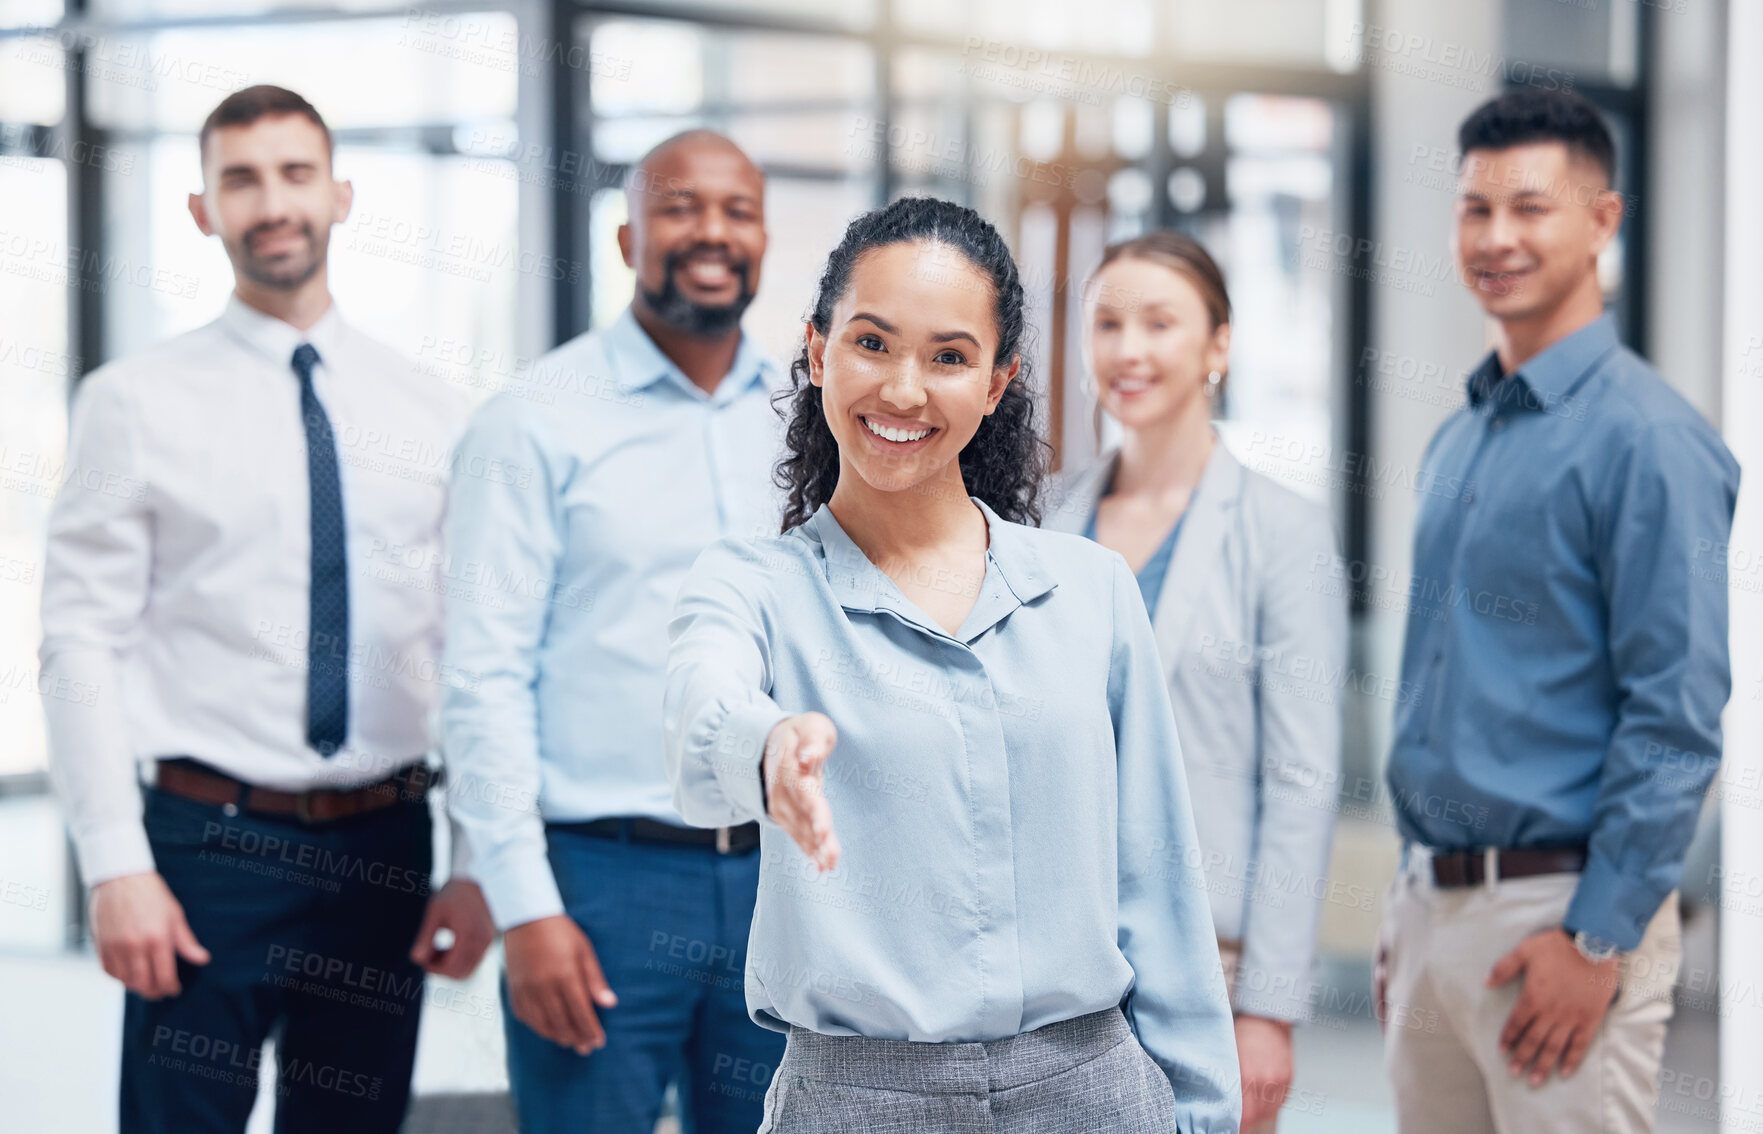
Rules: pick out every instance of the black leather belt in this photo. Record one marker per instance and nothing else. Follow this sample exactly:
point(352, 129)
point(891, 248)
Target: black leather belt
point(1451, 869)
point(724, 840)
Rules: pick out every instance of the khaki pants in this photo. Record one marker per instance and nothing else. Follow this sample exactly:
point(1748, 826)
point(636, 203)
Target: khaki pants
point(1231, 954)
point(1441, 1040)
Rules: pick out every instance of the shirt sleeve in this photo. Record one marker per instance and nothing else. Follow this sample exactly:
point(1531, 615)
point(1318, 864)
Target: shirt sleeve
point(1664, 580)
point(1303, 635)
point(718, 711)
point(458, 846)
point(1177, 1006)
point(459, 856)
point(95, 587)
point(506, 526)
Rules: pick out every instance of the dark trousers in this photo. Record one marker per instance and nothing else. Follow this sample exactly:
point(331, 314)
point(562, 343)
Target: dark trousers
point(670, 926)
point(309, 929)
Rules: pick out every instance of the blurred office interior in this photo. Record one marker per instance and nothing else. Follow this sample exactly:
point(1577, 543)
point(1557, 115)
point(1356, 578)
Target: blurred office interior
point(1308, 143)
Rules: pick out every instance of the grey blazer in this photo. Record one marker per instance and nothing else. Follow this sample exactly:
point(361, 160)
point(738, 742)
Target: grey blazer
point(1252, 627)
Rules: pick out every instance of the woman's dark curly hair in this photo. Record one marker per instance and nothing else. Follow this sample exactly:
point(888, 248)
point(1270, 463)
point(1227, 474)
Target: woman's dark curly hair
point(1005, 462)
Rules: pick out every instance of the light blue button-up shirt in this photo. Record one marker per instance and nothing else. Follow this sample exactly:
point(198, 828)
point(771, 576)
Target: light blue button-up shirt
point(580, 497)
point(1017, 843)
point(1567, 624)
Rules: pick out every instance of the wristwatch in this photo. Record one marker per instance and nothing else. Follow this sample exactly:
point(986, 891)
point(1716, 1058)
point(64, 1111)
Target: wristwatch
point(1594, 949)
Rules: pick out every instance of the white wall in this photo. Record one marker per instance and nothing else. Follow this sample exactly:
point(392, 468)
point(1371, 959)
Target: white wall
point(1684, 195)
point(1416, 107)
point(1741, 936)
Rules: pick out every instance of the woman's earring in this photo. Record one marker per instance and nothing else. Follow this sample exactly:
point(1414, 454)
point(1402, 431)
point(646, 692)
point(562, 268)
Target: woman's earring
point(1088, 385)
point(1212, 383)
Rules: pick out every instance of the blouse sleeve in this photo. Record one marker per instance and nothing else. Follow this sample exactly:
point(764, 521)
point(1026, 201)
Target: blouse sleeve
point(717, 710)
point(1178, 1006)
point(1298, 772)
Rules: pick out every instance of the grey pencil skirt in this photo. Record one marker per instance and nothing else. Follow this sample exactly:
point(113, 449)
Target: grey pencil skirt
point(1074, 1077)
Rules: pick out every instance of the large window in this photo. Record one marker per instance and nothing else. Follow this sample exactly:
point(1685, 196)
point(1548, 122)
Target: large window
point(36, 368)
point(1069, 150)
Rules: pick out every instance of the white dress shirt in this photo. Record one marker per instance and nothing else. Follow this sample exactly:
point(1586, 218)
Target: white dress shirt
point(176, 592)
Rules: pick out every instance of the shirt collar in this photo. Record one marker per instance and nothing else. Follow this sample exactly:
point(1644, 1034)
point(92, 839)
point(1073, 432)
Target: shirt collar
point(860, 585)
point(1553, 375)
point(638, 362)
point(276, 340)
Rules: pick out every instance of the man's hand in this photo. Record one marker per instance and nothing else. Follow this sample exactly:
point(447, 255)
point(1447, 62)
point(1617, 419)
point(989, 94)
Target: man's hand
point(140, 932)
point(459, 909)
point(795, 784)
point(1264, 1051)
point(554, 981)
point(1561, 1007)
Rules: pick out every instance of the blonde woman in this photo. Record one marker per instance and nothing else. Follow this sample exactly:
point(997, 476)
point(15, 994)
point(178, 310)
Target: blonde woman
point(1252, 653)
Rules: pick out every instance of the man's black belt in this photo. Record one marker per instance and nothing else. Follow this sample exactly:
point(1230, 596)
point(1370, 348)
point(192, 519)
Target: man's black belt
point(724, 840)
point(1451, 869)
point(192, 779)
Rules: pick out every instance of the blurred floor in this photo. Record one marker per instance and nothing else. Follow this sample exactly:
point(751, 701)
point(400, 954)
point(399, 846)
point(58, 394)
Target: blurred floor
point(60, 1021)
point(62, 1017)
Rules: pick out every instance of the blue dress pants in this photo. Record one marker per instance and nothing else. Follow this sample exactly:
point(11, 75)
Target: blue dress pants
point(309, 928)
point(669, 925)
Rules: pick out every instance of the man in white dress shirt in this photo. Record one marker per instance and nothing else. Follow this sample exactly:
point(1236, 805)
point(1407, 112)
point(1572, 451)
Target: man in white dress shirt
point(230, 582)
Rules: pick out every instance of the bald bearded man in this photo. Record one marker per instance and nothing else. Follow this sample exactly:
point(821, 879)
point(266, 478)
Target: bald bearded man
point(587, 489)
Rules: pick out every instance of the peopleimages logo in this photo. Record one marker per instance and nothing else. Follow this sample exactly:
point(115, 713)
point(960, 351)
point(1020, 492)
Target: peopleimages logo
point(1425, 595)
point(975, 161)
point(211, 1057)
point(1076, 77)
point(1295, 457)
point(1454, 64)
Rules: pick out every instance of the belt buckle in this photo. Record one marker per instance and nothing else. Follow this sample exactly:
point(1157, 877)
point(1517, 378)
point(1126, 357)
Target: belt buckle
point(723, 844)
point(1420, 863)
point(303, 807)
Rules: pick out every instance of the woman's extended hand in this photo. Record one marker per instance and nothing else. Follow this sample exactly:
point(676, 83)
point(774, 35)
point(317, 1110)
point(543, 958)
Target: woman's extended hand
point(795, 784)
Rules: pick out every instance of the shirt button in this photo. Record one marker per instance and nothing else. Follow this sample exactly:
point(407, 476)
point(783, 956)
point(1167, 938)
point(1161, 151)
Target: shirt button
point(1497, 424)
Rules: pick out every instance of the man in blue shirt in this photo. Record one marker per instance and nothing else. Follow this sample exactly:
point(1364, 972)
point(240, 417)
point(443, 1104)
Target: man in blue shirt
point(585, 491)
point(1567, 631)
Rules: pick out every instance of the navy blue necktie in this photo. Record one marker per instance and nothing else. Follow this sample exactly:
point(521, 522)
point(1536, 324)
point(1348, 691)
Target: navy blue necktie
point(327, 641)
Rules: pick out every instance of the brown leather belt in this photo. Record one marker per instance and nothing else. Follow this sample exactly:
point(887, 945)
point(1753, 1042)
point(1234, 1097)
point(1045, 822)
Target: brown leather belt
point(725, 840)
point(191, 780)
point(1452, 869)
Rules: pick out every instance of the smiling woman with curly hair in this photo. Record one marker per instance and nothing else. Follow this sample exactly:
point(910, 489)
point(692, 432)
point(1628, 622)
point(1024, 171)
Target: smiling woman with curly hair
point(980, 903)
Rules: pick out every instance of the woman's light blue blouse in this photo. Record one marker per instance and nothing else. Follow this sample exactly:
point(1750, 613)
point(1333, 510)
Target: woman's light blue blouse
point(1017, 841)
